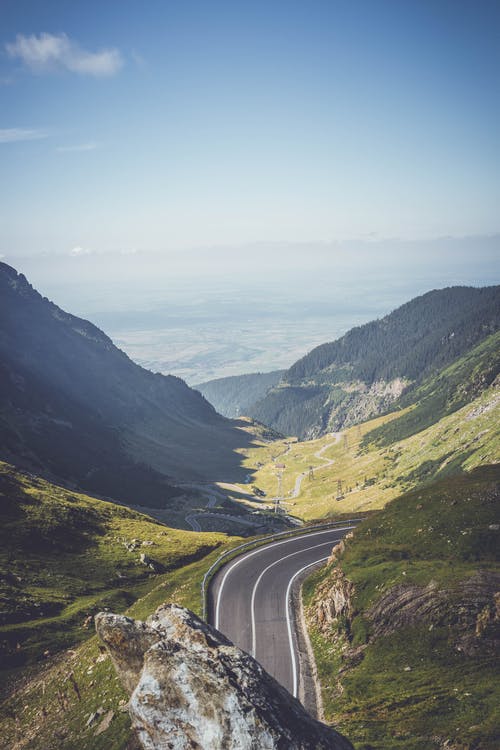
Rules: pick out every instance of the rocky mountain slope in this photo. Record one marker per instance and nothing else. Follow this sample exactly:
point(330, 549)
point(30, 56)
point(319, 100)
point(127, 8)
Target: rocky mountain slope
point(76, 408)
point(235, 395)
point(366, 372)
point(444, 393)
point(405, 620)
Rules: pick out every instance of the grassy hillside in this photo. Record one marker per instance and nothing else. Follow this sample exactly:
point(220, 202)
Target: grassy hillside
point(66, 556)
point(444, 393)
point(407, 658)
point(51, 705)
point(373, 474)
point(77, 409)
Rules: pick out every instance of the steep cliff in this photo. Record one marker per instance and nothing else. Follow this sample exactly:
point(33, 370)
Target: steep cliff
point(191, 688)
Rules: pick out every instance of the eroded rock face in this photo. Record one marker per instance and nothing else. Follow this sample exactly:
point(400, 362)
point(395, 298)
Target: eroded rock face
point(471, 611)
point(191, 688)
point(333, 599)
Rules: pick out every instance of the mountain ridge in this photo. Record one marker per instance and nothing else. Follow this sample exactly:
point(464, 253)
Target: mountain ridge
point(368, 369)
point(233, 395)
point(77, 408)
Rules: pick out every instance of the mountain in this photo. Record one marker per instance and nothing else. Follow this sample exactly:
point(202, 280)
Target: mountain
point(443, 393)
point(452, 430)
point(76, 408)
point(235, 395)
point(371, 367)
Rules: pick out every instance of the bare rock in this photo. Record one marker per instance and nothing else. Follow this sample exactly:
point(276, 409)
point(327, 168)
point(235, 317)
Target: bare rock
point(471, 611)
point(339, 548)
point(132, 545)
point(191, 688)
point(105, 723)
point(154, 565)
point(333, 599)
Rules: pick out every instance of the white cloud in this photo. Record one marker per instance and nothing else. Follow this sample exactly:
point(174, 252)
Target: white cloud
point(10, 135)
point(78, 147)
point(52, 52)
point(77, 252)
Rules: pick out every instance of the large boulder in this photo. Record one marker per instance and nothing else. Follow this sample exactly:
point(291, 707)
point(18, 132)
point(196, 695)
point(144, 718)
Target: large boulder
point(191, 688)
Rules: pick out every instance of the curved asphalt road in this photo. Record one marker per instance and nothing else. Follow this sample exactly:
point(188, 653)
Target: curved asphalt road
point(249, 600)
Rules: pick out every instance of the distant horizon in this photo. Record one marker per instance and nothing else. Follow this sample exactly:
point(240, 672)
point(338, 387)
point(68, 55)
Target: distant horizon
point(234, 313)
point(365, 239)
point(180, 125)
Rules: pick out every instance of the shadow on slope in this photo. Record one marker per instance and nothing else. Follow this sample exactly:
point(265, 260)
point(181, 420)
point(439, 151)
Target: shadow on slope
point(77, 408)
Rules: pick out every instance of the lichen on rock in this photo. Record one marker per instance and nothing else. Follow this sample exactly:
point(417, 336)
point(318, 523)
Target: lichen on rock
point(191, 688)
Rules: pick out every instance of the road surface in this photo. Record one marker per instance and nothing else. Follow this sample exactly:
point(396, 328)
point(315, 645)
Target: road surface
point(249, 600)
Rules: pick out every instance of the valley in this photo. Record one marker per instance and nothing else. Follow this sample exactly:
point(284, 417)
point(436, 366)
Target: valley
point(371, 475)
point(249, 375)
point(120, 489)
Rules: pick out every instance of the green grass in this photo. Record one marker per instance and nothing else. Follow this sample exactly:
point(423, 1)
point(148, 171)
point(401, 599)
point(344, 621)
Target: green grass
point(371, 474)
point(442, 394)
point(35, 717)
point(414, 689)
point(65, 558)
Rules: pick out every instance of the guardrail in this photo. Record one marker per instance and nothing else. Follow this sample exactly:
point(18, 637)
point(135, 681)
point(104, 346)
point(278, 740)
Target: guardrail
point(257, 543)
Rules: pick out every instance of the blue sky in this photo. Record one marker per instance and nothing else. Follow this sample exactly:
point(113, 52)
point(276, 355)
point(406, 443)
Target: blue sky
point(158, 126)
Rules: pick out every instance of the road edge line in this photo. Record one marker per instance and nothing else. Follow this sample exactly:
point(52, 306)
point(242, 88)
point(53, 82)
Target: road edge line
point(289, 622)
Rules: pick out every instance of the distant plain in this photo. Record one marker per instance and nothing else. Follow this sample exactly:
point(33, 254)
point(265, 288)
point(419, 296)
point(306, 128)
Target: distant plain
point(214, 312)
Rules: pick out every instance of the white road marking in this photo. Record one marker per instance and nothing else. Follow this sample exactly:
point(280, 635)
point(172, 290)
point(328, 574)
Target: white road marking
point(256, 552)
point(289, 623)
point(254, 590)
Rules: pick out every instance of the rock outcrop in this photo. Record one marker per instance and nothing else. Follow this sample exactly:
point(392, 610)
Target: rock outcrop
point(191, 688)
point(471, 611)
point(333, 601)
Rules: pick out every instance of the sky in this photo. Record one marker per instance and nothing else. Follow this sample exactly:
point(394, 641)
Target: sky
point(179, 127)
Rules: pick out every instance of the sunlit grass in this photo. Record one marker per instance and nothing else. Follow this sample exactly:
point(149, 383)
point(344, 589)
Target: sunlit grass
point(372, 476)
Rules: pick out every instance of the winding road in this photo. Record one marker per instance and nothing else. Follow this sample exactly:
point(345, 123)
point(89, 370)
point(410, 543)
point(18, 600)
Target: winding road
point(214, 496)
point(249, 600)
point(318, 454)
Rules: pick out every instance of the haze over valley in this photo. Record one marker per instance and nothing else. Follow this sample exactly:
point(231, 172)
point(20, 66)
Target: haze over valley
point(215, 312)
